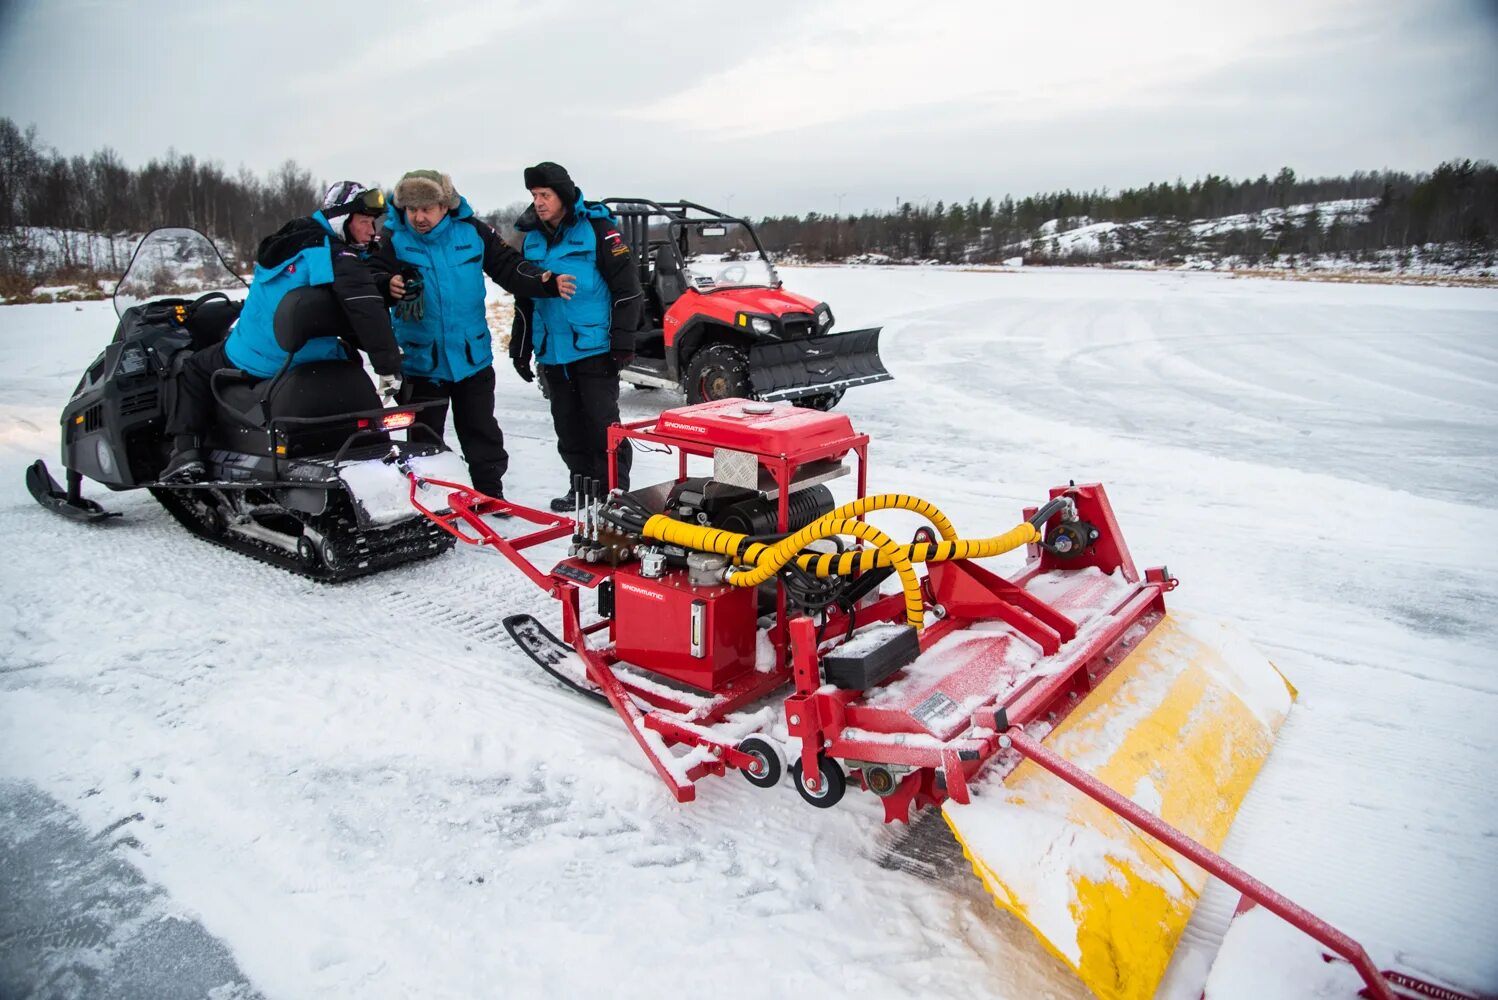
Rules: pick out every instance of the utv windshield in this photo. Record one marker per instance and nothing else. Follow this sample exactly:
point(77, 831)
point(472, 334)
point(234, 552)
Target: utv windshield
point(175, 263)
point(724, 255)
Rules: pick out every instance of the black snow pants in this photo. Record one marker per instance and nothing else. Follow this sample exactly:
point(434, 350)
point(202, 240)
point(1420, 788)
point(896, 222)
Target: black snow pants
point(479, 436)
point(584, 402)
point(191, 404)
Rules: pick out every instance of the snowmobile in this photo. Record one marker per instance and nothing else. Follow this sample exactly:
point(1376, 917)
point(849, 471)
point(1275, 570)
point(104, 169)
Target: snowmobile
point(297, 473)
point(718, 322)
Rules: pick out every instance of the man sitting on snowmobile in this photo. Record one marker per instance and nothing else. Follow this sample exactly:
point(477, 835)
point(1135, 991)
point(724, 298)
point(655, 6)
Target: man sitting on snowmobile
point(359, 225)
point(326, 248)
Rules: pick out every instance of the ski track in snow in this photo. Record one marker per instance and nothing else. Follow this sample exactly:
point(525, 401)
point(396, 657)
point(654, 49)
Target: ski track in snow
point(367, 790)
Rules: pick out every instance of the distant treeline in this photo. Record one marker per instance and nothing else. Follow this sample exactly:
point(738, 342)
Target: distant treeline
point(1455, 203)
point(39, 187)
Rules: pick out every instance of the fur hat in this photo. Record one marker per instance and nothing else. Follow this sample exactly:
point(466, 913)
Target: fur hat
point(552, 175)
point(419, 188)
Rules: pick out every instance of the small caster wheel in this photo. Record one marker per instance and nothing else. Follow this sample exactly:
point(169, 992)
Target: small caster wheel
point(831, 784)
point(768, 761)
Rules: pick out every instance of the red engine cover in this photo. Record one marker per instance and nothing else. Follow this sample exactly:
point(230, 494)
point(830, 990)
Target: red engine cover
point(763, 428)
point(701, 636)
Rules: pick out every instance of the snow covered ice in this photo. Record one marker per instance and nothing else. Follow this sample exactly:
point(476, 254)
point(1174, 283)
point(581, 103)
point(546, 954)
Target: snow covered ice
point(368, 791)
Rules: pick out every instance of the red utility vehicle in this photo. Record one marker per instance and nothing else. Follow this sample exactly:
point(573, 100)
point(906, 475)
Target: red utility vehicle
point(719, 323)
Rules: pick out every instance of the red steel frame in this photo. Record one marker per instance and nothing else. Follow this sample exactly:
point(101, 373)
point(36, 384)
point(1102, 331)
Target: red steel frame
point(817, 717)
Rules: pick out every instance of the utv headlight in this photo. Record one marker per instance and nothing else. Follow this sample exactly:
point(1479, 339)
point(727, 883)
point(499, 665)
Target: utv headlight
point(824, 319)
point(761, 326)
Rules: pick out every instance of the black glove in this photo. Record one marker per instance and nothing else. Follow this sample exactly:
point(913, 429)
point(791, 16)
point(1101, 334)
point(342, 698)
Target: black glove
point(622, 358)
point(523, 369)
point(412, 278)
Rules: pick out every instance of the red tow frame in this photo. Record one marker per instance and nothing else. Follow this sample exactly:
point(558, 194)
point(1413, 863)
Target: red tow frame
point(837, 724)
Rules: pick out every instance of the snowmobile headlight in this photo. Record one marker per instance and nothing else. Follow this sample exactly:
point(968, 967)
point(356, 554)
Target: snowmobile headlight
point(395, 421)
point(761, 326)
point(105, 455)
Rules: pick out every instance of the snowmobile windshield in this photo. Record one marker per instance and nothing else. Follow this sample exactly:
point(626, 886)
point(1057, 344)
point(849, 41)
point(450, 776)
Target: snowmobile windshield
point(726, 255)
point(175, 263)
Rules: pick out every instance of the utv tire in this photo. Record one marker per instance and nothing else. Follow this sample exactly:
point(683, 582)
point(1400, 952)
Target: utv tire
point(718, 371)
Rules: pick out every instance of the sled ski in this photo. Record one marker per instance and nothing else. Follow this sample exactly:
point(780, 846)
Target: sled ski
point(552, 655)
point(70, 504)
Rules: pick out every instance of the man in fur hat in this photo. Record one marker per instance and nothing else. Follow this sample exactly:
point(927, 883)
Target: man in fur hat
point(582, 343)
point(437, 253)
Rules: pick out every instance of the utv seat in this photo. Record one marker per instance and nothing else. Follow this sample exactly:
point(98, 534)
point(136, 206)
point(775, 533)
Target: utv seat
point(670, 284)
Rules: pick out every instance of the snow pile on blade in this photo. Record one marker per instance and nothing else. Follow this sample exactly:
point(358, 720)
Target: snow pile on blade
point(1181, 727)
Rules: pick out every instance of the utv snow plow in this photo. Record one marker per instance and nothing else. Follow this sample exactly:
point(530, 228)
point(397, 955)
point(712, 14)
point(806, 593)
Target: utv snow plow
point(1088, 748)
point(814, 369)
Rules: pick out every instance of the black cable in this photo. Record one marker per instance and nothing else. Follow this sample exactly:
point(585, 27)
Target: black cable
point(1048, 511)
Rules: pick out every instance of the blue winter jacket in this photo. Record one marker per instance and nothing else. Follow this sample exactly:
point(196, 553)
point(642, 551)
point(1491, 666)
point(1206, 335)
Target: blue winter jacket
point(252, 343)
point(567, 330)
point(451, 340)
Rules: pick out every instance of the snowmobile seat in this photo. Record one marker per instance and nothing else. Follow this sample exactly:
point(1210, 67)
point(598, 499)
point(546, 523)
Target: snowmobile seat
point(669, 282)
point(316, 389)
point(306, 313)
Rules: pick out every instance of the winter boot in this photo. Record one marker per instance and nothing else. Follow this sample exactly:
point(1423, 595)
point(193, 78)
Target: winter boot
point(186, 464)
point(498, 493)
point(565, 504)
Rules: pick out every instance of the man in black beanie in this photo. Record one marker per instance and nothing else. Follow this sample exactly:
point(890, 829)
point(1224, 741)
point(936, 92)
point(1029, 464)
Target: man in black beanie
point(579, 343)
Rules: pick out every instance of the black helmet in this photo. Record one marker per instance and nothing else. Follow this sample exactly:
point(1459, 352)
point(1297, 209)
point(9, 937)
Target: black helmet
point(351, 197)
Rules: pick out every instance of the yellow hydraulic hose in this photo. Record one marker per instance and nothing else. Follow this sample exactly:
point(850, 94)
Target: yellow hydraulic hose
point(768, 560)
point(742, 551)
point(896, 501)
point(847, 563)
point(753, 552)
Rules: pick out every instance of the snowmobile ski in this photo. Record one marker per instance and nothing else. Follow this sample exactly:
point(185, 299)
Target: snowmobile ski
point(49, 493)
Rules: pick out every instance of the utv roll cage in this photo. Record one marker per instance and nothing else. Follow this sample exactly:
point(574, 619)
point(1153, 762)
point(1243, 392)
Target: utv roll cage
point(680, 218)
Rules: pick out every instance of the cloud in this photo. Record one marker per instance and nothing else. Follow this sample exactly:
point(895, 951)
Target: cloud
point(783, 104)
point(851, 58)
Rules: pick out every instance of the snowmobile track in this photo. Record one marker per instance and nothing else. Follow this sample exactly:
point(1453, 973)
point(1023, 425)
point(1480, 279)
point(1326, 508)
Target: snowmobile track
point(353, 552)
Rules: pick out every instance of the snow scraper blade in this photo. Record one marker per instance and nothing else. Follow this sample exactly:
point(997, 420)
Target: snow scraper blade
point(795, 369)
point(1181, 727)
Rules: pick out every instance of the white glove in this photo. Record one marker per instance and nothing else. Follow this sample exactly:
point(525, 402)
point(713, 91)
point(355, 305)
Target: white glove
point(389, 386)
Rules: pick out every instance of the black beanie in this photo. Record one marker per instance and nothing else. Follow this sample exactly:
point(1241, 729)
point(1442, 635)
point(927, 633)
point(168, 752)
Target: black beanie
point(552, 175)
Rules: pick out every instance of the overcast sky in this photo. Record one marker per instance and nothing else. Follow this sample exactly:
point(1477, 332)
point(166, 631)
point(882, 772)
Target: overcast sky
point(766, 107)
